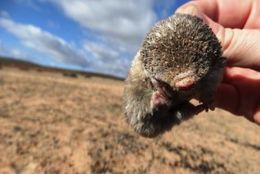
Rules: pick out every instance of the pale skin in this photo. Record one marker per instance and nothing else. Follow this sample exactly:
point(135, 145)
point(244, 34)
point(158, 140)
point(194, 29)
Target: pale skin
point(237, 26)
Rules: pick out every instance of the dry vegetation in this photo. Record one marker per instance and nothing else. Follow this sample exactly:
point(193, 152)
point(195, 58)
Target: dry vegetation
point(52, 123)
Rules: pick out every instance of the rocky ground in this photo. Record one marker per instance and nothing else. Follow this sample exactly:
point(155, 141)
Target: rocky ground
point(56, 124)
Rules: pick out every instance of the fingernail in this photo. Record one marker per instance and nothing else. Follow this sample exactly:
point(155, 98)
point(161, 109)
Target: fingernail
point(187, 9)
point(190, 9)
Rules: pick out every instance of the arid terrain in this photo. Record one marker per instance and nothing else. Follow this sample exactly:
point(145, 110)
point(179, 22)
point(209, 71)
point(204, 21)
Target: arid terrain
point(55, 123)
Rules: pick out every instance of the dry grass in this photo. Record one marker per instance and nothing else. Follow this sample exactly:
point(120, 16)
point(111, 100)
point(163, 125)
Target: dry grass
point(50, 124)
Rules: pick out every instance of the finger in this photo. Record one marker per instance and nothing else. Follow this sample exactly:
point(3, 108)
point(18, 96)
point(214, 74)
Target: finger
point(256, 117)
point(245, 15)
point(237, 75)
point(240, 47)
point(247, 82)
point(240, 93)
point(227, 98)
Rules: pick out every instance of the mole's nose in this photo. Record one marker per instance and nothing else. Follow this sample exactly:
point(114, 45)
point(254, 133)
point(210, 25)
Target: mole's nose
point(184, 81)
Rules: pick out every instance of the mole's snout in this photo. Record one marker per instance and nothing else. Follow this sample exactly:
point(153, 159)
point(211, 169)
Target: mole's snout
point(184, 81)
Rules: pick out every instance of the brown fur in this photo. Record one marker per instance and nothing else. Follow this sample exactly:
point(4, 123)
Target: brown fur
point(179, 46)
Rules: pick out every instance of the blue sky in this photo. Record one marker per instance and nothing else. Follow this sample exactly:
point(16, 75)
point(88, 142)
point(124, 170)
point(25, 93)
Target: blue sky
point(90, 35)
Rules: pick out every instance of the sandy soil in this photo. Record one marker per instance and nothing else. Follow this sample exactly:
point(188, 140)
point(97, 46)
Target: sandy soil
point(51, 124)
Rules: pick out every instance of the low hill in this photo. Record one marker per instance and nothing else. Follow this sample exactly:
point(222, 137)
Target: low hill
point(25, 65)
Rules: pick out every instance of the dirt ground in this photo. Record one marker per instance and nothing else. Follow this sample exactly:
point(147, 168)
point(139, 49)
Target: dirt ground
point(56, 124)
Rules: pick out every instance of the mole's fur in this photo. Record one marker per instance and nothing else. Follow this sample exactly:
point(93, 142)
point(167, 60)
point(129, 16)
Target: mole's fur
point(180, 59)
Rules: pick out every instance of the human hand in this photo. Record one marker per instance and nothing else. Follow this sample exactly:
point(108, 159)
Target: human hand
point(237, 26)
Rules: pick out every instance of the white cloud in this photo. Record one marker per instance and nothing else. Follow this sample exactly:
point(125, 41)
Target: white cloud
point(124, 21)
point(4, 13)
point(101, 51)
point(117, 28)
point(106, 59)
point(17, 53)
point(44, 42)
point(101, 57)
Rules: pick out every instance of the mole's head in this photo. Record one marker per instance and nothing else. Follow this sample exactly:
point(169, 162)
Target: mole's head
point(180, 51)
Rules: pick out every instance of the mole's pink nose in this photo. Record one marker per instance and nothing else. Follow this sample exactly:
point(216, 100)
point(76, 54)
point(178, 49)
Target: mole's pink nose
point(184, 81)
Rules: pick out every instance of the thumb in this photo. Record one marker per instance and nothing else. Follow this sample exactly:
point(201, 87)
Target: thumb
point(239, 46)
